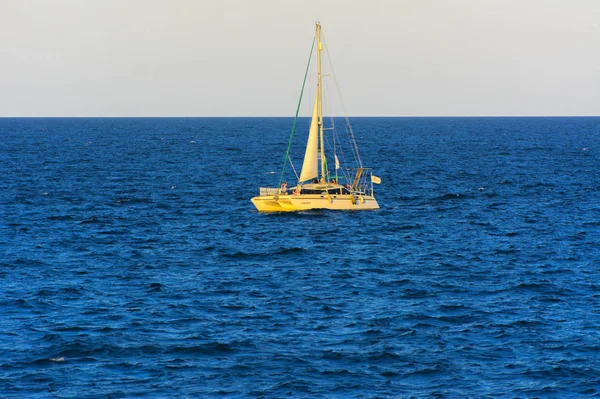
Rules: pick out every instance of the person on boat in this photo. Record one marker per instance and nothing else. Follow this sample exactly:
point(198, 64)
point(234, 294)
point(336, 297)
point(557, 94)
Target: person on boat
point(284, 188)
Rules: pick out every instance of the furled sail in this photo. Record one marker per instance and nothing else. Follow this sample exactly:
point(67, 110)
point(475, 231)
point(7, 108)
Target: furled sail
point(310, 167)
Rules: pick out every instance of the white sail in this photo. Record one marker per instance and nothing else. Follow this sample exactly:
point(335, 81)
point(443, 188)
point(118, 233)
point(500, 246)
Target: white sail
point(310, 167)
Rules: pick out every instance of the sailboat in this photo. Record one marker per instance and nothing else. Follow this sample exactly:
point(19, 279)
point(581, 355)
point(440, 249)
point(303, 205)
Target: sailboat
point(318, 185)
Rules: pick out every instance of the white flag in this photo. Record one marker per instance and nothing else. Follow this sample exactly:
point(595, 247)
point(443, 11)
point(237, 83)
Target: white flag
point(337, 162)
point(375, 179)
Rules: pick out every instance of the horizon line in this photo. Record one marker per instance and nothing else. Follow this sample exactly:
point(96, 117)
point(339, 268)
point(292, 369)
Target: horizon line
point(304, 116)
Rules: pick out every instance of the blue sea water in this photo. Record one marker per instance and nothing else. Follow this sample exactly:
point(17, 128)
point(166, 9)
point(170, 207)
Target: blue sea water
point(132, 263)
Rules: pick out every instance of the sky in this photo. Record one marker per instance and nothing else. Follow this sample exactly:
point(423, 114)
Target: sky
point(247, 57)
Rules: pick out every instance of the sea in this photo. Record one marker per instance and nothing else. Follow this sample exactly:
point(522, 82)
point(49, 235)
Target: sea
point(133, 264)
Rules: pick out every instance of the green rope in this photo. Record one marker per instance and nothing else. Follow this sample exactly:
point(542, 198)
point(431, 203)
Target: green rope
point(287, 153)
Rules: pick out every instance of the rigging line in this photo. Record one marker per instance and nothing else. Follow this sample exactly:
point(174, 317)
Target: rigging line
point(352, 147)
point(355, 147)
point(352, 142)
point(294, 169)
point(336, 144)
point(338, 150)
point(336, 147)
point(287, 152)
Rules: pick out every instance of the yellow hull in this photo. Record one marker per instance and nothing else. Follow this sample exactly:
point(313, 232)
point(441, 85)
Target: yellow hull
point(304, 202)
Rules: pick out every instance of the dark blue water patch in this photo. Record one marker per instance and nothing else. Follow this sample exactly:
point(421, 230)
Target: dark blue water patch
point(132, 263)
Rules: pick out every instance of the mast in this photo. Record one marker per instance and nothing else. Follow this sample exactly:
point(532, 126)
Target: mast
point(320, 100)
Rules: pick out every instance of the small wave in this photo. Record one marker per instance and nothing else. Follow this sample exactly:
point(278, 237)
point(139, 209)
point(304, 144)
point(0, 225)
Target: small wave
point(543, 288)
point(451, 196)
point(480, 223)
point(70, 328)
point(155, 287)
point(415, 293)
point(295, 386)
point(128, 200)
point(91, 220)
point(406, 198)
point(338, 373)
point(113, 232)
point(377, 270)
point(508, 251)
point(51, 337)
point(292, 250)
point(387, 354)
point(242, 255)
point(61, 217)
point(407, 227)
point(212, 348)
point(21, 303)
point(539, 287)
point(67, 291)
point(550, 299)
point(395, 283)
point(453, 307)
point(47, 361)
point(458, 319)
point(23, 200)
point(539, 184)
point(29, 262)
point(279, 251)
point(437, 369)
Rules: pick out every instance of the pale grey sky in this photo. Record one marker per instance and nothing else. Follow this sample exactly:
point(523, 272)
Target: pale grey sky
point(247, 57)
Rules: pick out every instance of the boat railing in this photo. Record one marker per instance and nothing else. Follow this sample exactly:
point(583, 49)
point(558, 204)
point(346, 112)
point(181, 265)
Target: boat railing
point(264, 191)
point(363, 190)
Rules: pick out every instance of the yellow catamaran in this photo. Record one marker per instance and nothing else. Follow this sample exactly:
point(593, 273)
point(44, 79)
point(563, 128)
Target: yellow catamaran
point(318, 187)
